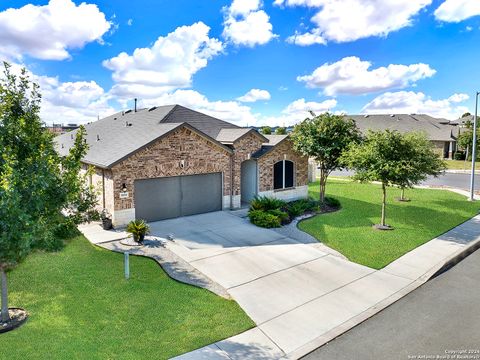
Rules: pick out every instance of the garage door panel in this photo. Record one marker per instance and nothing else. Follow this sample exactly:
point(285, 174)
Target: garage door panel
point(201, 193)
point(157, 198)
point(170, 197)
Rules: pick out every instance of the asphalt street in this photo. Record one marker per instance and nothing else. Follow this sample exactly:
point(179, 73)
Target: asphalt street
point(439, 320)
point(454, 180)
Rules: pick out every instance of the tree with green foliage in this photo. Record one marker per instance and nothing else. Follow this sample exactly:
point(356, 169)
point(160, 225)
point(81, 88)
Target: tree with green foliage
point(467, 114)
point(266, 130)
point(421, 161)
point(281, 130)
point(35, 183)
point(324, 138)
point(465, 141)
point(392, 158)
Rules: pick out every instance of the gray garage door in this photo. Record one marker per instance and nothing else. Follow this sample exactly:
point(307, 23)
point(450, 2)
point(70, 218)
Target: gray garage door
point(170, 197)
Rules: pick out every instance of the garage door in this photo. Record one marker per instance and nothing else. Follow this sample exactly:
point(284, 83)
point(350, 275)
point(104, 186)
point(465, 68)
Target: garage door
point(170, 197)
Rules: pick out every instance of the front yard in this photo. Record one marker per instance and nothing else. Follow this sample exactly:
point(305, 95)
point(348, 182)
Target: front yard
point(461, 165)
point(429, 214)
point(81, 307)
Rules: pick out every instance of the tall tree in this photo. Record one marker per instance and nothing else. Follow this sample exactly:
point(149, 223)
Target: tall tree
point(392, 158)
point(281, 130)
point(266, 130)
point(35, 183)
point(324, 138)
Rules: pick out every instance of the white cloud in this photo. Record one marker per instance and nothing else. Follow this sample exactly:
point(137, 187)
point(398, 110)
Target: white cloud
point(69, 102)
point(130, 22)
point(168, 65)
point(255, 95)
point(49, 31)
point(307, 39)
point(409, 102)
point(353, 76)
point(457, 10)
point(245, 24)
point(350, 20)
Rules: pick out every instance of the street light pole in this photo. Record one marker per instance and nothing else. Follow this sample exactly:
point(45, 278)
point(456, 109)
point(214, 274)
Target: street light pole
point(474, 150)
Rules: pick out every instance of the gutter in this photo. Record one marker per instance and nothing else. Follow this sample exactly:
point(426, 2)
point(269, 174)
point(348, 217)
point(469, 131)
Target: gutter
point(231, 181)
point(103, 188)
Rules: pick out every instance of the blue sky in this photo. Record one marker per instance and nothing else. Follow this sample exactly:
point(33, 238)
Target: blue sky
point(247, 61)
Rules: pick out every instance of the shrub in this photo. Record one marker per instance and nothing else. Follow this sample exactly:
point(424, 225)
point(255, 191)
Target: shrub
point(266, 203)
point(264, 219)
point(459, 155)
point(332, 202)
point(282, 215)
point(138, 228)
point(295, 209)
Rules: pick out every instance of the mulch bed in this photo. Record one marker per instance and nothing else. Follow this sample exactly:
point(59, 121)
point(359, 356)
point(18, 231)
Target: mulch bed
point(18, 316)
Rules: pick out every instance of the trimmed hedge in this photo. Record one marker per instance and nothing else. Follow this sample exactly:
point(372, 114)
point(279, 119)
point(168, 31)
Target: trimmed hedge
point(264, 219)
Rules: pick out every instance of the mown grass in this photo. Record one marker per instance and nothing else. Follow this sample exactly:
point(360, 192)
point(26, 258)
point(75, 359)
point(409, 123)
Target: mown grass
point(461, 165)
point(81, 307)
point(349, 231)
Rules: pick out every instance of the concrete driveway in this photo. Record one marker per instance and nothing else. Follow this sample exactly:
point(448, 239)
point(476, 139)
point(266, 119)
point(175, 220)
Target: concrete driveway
point(291, 290)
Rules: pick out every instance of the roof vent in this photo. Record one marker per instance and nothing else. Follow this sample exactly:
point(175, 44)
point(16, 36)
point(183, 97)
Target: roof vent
point(71, 136)
point(114, 118)
point(123, 112)
point(152, 108)
point(392, 115)
point(128, 111)
point(62, 146)
point(127, 124)
point(98, 137)
point(365, 116)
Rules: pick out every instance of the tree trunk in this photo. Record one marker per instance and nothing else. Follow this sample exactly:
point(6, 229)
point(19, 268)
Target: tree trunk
point(5, 317)
point(323, 180)
point(402, 195)
point(384, 202)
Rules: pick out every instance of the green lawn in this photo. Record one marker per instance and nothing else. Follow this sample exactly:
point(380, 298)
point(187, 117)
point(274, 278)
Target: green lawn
point(81, 307)
point(461, 165)
point(429, 214)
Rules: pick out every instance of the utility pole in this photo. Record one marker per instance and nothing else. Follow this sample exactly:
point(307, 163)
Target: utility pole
point(474, 150)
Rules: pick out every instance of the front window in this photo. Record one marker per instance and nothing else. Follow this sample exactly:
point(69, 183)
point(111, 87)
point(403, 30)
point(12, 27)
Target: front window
point(283, 175)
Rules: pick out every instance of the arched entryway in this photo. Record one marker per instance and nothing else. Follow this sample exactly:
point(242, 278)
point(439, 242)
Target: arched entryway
point(248, 181)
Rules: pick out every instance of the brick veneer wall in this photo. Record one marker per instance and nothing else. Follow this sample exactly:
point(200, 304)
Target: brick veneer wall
point(163, 158)
point(266, 162)
point(243, 148)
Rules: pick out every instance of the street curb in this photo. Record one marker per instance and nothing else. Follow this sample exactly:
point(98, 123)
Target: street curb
point(436, 270)
point(467, 172)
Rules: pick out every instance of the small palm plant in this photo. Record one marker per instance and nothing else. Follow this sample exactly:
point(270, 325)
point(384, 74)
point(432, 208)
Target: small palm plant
point(138, 228)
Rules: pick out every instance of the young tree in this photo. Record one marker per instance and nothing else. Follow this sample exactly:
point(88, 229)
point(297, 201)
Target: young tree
point(324, 138)
point(392, 158)
point(281, 131)
point(420, 161)
point(35, 183)
point(266, 130)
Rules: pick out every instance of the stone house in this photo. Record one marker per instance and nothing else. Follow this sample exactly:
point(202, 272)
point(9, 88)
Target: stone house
point(171, 161)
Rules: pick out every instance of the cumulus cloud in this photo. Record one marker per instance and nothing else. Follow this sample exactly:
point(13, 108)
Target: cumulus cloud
point(409, 102)
point(353, 76)
point(49, 31)
point(69, 102)
point(255, 95)
point(350, 20)
point(457, 10)
point(168, 65)
point(246, 24)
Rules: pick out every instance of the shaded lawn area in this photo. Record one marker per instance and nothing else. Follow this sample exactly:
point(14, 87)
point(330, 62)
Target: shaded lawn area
point(349, 231)
point(81, 307)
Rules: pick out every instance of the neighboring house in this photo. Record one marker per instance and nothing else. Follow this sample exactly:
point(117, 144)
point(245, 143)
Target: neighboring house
point(59, 129)
point(441, 132)
point(170, 161)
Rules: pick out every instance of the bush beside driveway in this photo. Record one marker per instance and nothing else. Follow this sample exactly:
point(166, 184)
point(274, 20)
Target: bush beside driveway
point(349, 231)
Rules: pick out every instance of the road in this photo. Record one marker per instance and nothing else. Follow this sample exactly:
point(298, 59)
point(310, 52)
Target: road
point(439, 317)
point(460, 181)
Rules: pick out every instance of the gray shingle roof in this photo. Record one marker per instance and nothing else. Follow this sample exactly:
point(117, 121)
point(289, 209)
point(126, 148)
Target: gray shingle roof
point(230, 135)
point(111, 141)
point(273, 140)
point(435, 128)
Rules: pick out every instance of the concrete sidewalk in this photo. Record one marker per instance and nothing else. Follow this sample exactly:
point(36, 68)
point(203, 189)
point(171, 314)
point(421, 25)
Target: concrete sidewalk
point(338, 296)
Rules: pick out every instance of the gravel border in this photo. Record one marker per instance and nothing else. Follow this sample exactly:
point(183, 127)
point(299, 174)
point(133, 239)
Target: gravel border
point(175, 267)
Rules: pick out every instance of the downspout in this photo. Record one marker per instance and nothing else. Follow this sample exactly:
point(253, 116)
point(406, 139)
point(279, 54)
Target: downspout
point(231, 180)
point(103, 187)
